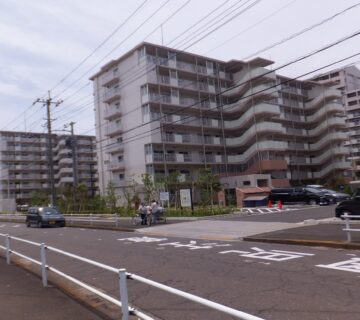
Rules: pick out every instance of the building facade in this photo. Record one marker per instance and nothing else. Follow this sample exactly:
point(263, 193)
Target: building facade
point(24, 163)
point(347, 80)
point(159, 110)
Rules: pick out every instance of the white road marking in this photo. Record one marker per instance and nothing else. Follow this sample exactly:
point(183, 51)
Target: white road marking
point(352, 265)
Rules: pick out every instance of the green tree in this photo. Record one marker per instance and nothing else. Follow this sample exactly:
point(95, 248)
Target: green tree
point(208, 183)
point(110, 196)
point(131, 194)
point(172, 184)
point(149, 186)
point(39, 198)
point(81, 196)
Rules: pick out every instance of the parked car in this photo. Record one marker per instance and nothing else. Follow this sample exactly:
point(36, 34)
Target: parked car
point(44, 216)
point(336, 196)
point(350, 207)
point(299, 195)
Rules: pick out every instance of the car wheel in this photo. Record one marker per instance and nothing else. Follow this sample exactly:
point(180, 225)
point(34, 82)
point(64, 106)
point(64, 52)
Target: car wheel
point(312, 202)
point(40, 224)
point(28, 224)
point(345, 212)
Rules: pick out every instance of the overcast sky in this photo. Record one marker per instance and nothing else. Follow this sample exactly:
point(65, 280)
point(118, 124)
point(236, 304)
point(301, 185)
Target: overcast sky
point(41, 41)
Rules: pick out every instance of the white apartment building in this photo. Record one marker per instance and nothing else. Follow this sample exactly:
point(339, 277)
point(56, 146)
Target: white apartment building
point(347, 80)
point(24, 163)
point(158, 110)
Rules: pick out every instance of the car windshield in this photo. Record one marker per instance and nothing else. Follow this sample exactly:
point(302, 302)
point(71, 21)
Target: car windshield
point(328, 190)
point(48, 211)
point(313, 190)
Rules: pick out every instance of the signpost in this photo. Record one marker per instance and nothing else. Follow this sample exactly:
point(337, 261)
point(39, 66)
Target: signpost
point(186, 198)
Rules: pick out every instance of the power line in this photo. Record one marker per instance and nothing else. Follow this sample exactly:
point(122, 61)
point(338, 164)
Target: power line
point(296, 34)
point(101, 44)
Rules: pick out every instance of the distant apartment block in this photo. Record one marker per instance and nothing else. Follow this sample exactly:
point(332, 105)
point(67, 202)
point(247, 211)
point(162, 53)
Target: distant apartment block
point(159, 110)
point(347, 80)
point(25, 168)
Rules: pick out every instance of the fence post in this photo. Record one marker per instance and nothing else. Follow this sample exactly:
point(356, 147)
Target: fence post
point(7, 240)
point(123, 294)
point(91, 219)
point(347, 224)
point(43, 264)
point(117, 220)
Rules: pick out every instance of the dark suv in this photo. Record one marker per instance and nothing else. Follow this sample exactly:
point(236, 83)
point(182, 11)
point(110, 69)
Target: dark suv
point(299, 195)
point(44, 216)
point(350, 207)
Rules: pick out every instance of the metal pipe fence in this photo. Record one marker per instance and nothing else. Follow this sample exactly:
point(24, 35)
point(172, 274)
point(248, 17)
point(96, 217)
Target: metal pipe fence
point(123, 277)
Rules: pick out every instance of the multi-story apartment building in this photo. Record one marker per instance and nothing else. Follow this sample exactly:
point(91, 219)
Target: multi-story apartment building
point(25, 168)
point(159, 109)
point(347, 80)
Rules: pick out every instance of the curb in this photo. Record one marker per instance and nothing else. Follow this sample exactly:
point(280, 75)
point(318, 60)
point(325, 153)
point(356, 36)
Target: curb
point(307, 242)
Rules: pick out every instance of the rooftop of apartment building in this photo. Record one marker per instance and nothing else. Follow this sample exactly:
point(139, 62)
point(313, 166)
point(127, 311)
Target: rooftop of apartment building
point(232, 65)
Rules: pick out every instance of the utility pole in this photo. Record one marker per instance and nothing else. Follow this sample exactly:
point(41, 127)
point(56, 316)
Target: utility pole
point(48, 102)
point(73, 150)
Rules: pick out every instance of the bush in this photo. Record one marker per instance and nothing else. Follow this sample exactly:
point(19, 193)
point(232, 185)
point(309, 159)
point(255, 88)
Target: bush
point(198, 211)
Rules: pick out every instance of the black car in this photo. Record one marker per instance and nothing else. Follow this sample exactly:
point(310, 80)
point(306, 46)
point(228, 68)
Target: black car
point(299, 195)
point(335, 195)
point(44, 216)
point(349, 207)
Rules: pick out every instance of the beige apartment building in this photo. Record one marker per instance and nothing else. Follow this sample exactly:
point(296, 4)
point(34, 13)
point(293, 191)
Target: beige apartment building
point(25, 168)
point(158, 110)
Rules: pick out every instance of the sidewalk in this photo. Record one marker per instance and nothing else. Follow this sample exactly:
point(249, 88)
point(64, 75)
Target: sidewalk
point(329, 234)
point(22, 297)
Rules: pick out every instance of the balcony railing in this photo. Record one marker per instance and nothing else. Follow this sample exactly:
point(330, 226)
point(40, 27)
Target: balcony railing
point(112, 112)
point(111, 95)
point(113, 129)
point(110, 78)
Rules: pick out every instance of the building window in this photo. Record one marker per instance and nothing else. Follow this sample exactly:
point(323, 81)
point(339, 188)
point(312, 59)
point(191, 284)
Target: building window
point(352, 103)
point(121, 177)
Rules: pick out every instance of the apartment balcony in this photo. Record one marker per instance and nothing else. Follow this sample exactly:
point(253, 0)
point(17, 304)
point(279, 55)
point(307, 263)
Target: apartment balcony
point(114, 146)
point(66, 180)
point(333, 122)
point(339, 165)
point(157, 98)
point(162, 61)
point(263, 109)
point(331, 137)
point(186, 66)
point(116, 166)
point(193, 139)
point(110, 78)
point(186, 158)
point(332, 107)
point(260, 128)
point(330, 153)
point(111, 95)
point(112, 112)
point(355, 107)
point(280, 146)
point(244, 80)
point(65, 161)
point(329, 93)
point(67, 171)
point(113, 129)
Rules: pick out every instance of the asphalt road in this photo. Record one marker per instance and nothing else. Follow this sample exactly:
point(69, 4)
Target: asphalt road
point(271, 281)
point(290, 214)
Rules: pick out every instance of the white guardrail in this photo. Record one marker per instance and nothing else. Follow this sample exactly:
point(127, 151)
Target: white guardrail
point(348, 229)
point(123, 277)
point(70, 219)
